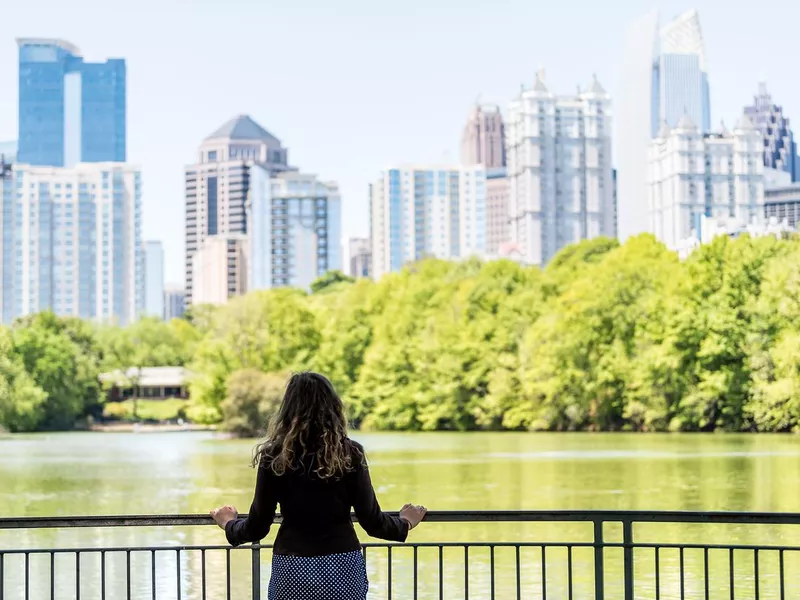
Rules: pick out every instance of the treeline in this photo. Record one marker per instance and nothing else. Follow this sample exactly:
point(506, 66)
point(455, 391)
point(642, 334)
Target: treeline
point(607, 337)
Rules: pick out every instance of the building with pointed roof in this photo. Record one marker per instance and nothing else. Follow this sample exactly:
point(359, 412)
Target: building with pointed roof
point(241, 138)
point(780, 149)
point(483, 141)
point(217, 186)
point(561, 187)
point(717, 176)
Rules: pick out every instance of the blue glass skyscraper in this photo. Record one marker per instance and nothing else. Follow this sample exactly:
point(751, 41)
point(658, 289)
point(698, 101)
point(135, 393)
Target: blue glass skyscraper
point(665, 80)
point(70, 111)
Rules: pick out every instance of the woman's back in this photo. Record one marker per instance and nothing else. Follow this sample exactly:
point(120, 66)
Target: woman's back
point(311, 468)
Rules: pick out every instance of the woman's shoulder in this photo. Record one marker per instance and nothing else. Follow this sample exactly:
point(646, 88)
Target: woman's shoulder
point(358, 455)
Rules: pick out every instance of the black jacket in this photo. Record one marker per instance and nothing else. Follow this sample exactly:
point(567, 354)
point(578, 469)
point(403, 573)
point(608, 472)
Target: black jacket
point(316, 512)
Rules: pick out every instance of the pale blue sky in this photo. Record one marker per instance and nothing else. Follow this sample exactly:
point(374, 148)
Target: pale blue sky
point(351, 86)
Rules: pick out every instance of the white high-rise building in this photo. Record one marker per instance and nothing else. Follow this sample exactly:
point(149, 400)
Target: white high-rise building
point(154, 279)
point(719, 176)
point(559, 169)
point(220, 269)
point(294, 224)
point(72, 242)
point(665, 77)
point(421, 211)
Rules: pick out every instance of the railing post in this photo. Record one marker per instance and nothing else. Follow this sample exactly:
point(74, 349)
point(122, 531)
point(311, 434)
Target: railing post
point(256, 568)
point(599, 568)
point(627, 540)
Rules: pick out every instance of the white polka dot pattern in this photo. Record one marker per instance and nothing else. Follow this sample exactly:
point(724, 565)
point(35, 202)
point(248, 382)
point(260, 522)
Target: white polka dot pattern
point(331, 577)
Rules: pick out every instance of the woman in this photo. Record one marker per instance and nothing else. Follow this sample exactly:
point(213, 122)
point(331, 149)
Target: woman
point(316, 473)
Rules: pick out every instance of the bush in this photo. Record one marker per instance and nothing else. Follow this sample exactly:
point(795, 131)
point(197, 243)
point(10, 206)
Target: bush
point(170, 409)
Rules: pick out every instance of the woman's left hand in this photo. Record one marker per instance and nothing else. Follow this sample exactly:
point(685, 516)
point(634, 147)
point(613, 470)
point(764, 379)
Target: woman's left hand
point(224, 514)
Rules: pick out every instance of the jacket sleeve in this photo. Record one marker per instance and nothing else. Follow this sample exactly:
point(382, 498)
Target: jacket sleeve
point(375, 522)
point(255, 526)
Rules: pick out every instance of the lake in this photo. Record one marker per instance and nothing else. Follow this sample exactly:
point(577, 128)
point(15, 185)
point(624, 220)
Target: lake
point(166, 473)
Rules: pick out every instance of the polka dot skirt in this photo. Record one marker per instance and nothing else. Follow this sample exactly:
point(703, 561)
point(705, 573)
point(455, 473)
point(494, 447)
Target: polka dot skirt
point(331, 577)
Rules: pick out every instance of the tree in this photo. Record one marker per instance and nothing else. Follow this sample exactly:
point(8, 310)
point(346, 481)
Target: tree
point(578, 358)
point(253, 397)
point(330, 279)
point(21, 400)
point(60, 357)
point(268, 331)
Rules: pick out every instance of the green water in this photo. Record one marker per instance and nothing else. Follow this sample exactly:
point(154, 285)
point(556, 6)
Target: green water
point(163, 473)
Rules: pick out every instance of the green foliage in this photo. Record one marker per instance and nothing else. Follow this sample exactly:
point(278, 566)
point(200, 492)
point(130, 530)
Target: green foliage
point(331, 278)
point(607, 337)
point(60, 356)
point(21, 400)
point(253, 397)
point(266, 330)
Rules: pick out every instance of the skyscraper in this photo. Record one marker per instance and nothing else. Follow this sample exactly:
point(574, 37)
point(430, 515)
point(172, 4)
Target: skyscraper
point(70, 111)
point(665, 77)
point(294, 228)
point(780, 149)
point(217, 186)
point(559, 167)
point(154, 279)
point(421, 211)
point(483, 141)
point(718, 176)
point(681, 74)
point(72, 242)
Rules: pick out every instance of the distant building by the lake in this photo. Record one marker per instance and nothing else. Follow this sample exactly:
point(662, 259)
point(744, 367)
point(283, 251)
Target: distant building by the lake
point(151, 383)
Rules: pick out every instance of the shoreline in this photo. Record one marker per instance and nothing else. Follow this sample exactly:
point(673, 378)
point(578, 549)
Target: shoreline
point(150, 428)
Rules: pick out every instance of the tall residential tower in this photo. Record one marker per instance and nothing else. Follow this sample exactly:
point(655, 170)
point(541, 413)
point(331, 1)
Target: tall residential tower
point(294, 229)
point(421, 211)
point(559, 168)
point(72, 242)
point(692, 177)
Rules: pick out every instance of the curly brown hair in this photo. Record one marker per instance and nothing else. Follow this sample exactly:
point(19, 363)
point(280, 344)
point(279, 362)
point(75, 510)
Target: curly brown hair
point(309, 431)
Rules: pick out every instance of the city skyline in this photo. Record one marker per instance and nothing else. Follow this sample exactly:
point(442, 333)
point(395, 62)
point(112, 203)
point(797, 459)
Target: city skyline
point(164, 129)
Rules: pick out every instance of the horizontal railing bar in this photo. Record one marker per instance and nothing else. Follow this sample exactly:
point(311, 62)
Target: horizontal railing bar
point(511, 516)
point(607, 545)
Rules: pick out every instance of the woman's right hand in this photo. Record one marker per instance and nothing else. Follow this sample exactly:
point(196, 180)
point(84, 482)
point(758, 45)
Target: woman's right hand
point(413, 514)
